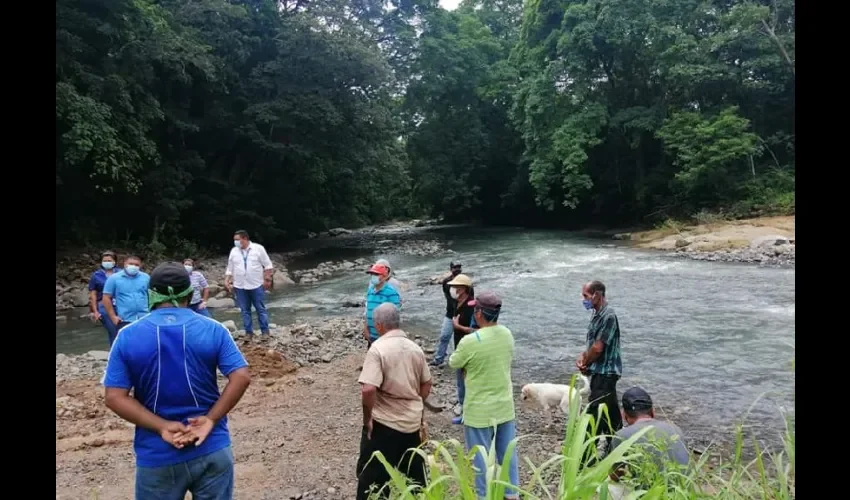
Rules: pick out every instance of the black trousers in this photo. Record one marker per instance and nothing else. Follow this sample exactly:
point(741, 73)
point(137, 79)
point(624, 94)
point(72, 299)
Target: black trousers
point(394, 445)
point(603, 389)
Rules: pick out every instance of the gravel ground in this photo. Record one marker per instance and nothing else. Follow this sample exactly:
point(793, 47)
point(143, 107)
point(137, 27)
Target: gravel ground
point(296, 431)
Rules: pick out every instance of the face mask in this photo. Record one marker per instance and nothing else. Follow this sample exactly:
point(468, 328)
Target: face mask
point(237, 243)
point(107, 265)
point(588, 304)
point(188, 269)
point(374, 280)
point(131, 269)
point(453, 293)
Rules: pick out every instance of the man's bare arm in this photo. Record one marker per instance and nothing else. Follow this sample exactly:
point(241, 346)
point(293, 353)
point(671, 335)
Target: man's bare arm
point(368, 394)
point(237, 382)
point(93, 301)
point(128, 408)
point(425, 389)
point(594, 352)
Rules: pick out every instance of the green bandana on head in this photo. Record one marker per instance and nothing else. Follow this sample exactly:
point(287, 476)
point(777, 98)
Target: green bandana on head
point(155, 297)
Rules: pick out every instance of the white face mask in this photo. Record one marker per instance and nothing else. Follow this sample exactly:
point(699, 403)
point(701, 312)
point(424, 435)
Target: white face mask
point(453, 293)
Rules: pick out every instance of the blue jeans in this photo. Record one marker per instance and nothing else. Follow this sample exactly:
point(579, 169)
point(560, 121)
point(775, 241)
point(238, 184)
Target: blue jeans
point(209, 477)
point(461, 387)
point(504, 434)
point(202, 312)
point(247, 298)
point(446, 331)
point(111, 328)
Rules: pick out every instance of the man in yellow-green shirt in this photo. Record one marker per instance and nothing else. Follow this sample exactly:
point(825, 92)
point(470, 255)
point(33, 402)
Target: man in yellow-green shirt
point(488, 410)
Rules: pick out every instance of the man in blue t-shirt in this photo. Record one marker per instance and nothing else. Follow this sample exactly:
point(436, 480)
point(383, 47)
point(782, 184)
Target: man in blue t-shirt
point(169, 359)
point(128, 289)
point(380, 291)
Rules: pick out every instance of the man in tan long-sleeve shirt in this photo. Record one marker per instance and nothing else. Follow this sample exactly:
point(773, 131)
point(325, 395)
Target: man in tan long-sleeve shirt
point(394, 384)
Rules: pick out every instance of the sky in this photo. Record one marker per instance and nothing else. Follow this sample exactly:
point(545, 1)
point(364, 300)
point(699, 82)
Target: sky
point(449, 4)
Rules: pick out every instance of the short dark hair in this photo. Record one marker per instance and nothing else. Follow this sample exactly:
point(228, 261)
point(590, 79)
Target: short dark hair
point(242, 234)
point(108, 253)
point(130, 257)
point(636, 401)
point(189, 259)
point(596, 287)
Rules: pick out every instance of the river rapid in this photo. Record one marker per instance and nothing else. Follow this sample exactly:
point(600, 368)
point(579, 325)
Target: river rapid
point(711, 342)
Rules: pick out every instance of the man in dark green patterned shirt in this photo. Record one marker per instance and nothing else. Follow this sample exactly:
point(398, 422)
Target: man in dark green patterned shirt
point(601, 361)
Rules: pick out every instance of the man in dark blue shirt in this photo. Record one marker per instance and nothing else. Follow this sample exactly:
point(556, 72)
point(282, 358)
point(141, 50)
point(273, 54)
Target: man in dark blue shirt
point(96, 283)
point(169, 359)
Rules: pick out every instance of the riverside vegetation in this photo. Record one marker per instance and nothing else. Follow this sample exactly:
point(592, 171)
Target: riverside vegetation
point(568, 476)
point(287, 117)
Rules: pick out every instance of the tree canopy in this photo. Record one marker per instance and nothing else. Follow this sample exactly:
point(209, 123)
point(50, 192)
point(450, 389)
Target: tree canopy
point(180, 121)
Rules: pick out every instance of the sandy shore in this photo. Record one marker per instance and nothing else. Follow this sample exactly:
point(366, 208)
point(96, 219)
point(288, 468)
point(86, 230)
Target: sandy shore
point(764, 240)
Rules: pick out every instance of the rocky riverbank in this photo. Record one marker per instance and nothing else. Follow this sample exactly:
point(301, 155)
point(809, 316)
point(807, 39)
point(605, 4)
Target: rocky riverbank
point(767, 241)
point(410, 238)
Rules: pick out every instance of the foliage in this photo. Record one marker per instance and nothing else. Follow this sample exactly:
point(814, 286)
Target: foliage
point(191, 119)
point(576, 473)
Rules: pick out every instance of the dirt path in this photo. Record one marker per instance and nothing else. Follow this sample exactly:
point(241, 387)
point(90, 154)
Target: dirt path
point(296, 434)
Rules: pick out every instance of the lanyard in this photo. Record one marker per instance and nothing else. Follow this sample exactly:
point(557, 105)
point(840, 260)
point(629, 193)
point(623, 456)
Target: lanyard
point(245, 258)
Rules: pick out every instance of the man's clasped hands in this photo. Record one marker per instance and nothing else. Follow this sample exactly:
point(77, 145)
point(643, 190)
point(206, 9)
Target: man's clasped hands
point(179, 435)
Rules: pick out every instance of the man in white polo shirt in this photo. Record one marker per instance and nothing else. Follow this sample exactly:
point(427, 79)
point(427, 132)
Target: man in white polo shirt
point(249, 272)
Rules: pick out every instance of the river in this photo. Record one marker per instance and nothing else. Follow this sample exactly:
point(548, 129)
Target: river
point(706, 339)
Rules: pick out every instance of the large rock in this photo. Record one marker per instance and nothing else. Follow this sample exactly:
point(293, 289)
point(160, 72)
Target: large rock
point(338, 231)
point(79, 298)
point(772, 240)
point(217, 303)
point(230, 325)
point(281, 277)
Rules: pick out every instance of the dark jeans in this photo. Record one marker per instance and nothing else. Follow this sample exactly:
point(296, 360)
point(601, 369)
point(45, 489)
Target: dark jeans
point(394, 445)
point(603, 389)
point(209, 477)
point(111, 329)
point(248, 298)
point(202, 312)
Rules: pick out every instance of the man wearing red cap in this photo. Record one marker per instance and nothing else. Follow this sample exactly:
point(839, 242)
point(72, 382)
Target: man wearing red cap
point(380, 292)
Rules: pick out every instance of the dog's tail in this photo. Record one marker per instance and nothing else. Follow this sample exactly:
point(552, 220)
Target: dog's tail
point(585, 385)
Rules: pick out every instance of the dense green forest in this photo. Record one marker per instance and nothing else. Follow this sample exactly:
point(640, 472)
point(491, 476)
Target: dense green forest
point(181, 120)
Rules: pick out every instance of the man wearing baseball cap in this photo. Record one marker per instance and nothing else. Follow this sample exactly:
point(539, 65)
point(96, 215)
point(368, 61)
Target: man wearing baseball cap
point(486, 356)
point(169, 360)
point(380, 292)
point(664, 443)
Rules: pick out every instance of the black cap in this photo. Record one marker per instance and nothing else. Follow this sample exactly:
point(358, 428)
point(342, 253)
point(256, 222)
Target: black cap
point(454, 265)
point(170, 274)
point(636, 399)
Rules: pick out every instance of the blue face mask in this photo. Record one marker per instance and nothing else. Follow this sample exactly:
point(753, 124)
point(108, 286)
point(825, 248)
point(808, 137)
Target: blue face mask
point(588, 304)
point(188, 269)
point(374, 280)
point(131, 269)
point(237, 243)
point(107, 265)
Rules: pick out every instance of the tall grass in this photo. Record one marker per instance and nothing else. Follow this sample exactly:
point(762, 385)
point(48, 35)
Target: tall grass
point(576, 473)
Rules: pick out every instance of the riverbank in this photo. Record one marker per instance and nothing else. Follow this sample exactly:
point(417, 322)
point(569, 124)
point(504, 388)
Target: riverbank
point(295, 433)
point(74, 270)
point(765, 240)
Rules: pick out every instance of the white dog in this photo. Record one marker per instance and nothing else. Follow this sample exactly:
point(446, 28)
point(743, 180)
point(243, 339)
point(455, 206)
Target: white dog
point(555, 395)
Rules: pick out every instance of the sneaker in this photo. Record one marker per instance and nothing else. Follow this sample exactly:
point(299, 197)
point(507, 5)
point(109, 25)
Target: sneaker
point(457, 420)
point(436, 364)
